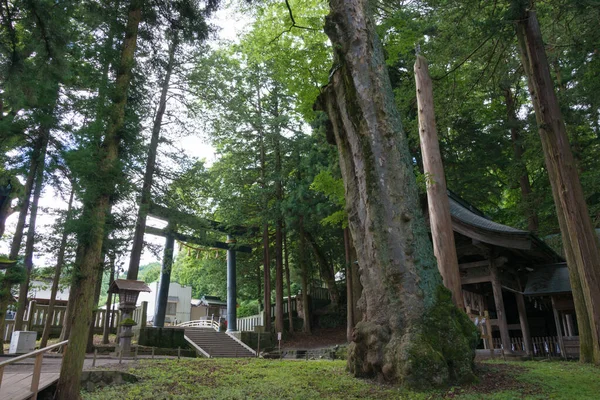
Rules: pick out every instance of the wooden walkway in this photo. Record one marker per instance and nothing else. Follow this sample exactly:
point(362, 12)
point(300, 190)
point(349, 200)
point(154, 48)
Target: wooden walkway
point(17, 385)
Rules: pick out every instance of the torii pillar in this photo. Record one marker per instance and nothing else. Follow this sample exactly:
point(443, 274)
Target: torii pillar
point(165, 281)
point(231, 286)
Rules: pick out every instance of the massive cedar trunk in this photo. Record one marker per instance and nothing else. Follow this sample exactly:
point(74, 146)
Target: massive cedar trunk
point(60, 259)
point(440, 220)
point(30, 240)
point(524, 184)
point(411, 332)
point(579, 239)
point(326, 269)
point(5, 294)
point(140, 225)
point(96, 208)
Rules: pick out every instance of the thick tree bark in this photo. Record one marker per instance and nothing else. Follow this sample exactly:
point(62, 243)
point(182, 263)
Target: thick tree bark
point(350, 301)
point(440, 220)
point(96, 210)
point(60, 259)
point(524, 184)
point(411, 332)
point(306, 327)
point(30, 240)
point(140, 225)
point(356, 285)
point(326, 270)
point(579, 239)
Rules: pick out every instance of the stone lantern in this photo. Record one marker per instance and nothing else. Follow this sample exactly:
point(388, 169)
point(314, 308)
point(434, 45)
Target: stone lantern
point(128, 291)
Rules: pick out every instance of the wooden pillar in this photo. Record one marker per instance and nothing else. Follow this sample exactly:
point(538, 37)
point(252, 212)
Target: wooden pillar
point(570, 328)
point(144, 316)
point(558, 329)
point(437, 194)
point(499, 300)
point(524, 323)
point(232, 287)
point(31, 315)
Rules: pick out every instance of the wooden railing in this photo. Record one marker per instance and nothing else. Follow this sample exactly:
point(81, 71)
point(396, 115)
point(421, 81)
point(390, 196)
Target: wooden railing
point(201, 323)
point(37, 315)
point(542, 346)
point(37, 367)
point(247, 324)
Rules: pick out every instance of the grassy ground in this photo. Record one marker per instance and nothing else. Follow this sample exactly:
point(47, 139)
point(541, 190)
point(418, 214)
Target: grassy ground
point(274, 379)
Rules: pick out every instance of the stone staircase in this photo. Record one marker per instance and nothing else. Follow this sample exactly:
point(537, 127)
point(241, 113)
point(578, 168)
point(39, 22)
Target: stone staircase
point(216, 344)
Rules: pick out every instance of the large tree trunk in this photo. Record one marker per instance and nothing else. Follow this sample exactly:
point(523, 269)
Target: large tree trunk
point(279, 222)
point(140, 225)
point(524, 184)
point(440, 220)
point(5, 293)
point(30, 240)
point(60, 259)
point(267, 277)
point(411, 332)
point(108, 315)
point(326, 269)
point(579, 239)
point(96, 208)
point(279, 276)
point(289, 284)
point(304, 268)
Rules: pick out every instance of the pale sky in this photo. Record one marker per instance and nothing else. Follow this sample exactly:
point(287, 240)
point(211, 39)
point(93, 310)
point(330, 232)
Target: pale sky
point(232, 24)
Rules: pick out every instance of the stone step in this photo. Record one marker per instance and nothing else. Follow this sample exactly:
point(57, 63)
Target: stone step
point(217, 344)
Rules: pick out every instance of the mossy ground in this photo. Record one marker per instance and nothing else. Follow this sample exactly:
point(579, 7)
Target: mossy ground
point(276, 379)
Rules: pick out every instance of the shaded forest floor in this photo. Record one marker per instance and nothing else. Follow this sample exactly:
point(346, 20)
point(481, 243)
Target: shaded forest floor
point(286, 379)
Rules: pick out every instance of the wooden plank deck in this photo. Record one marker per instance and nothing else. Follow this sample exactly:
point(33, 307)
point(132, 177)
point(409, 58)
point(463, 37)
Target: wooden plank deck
point(17, 385)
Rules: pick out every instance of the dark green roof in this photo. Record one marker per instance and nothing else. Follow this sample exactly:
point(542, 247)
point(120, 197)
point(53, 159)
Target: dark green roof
point(548, 279)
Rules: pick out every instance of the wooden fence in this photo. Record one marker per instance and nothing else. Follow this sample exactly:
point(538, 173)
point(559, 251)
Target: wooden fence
point(544, 346)
point(247, 324)
point(37, 315)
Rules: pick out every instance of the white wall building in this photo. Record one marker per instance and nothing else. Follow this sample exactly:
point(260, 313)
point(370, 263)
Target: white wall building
point(178, 304)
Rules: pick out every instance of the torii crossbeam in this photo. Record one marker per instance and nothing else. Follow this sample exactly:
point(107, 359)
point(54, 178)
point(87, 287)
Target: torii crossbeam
point(177, 218)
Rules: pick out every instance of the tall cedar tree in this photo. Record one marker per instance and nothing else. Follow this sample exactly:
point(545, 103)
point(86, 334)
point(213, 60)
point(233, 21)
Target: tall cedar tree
point(580, 242)
point(96, 208)
point(405, 302)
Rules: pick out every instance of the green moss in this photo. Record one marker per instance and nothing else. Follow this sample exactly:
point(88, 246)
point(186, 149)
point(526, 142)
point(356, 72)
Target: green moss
point(444, 349)
point(128, 322)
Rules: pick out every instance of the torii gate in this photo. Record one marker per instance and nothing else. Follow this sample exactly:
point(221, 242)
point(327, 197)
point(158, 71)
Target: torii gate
point(176, 218)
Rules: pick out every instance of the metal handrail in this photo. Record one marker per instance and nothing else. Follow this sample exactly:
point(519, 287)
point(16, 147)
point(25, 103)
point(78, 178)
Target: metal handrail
point(37, 368)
